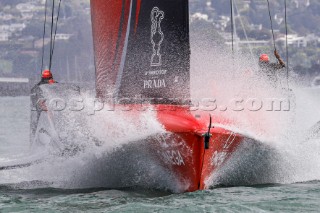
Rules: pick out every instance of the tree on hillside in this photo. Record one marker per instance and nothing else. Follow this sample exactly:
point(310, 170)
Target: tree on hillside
point(35, 29)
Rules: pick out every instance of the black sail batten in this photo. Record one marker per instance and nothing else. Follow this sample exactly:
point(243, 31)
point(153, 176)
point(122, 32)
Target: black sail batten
point(157, 59)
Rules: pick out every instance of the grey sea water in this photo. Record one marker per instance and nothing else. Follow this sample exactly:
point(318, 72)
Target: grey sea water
point(19, 193)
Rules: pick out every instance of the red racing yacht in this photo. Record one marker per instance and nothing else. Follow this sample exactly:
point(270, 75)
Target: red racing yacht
point(142, 55)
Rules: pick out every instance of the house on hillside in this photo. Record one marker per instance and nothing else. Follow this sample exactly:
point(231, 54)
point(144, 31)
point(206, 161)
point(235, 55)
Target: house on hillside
point(25, 7)
point(27, 10)
point(17, 27)
point(4, 36)
point(293, 40)
point(6, 17)
point(63, 36)
point(199, 16)
point(299, 3)
point(299, 41)
point(222, 22)
point(4, 28)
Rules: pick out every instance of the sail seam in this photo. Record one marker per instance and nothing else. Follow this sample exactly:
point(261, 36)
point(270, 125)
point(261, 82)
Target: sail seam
point(119, 36)
point(124, 52)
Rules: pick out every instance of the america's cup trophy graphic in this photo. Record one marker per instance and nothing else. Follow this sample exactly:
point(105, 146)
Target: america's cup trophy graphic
point(156, 36)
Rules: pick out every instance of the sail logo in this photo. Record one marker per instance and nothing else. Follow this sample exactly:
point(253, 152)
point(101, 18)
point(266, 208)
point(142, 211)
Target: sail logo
point(156, 83)
point(157, 36)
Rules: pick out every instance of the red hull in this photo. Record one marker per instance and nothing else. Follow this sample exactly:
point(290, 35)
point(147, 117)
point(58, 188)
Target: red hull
point(182, 151)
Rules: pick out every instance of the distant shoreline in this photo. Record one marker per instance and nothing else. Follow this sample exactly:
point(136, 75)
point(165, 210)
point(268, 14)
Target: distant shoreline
point(15, 88)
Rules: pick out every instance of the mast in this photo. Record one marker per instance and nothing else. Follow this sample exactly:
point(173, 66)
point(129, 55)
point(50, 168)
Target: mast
point(234, 30)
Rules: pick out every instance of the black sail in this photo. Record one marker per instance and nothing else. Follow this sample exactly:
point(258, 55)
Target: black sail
point(156, 57)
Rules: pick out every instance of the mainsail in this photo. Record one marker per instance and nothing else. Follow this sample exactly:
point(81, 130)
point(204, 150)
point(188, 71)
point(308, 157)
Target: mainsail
point(142, 49)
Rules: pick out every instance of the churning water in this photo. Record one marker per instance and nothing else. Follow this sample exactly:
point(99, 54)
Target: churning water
point(80, 183)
